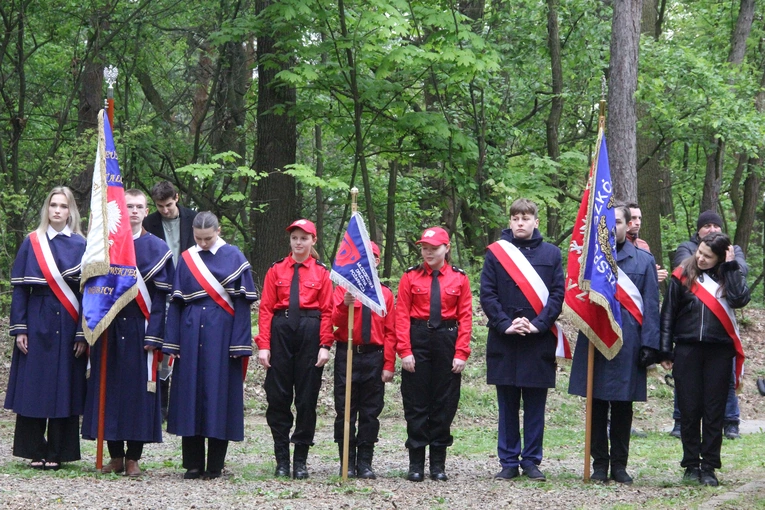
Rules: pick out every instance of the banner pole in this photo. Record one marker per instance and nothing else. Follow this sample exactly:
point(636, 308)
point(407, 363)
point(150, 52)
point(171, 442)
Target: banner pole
point(101, 403)
point(588, 411)
point(349, 367)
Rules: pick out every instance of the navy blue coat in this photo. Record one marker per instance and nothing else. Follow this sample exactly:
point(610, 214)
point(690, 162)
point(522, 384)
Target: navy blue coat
point(515, 360)
point(207, 394)
point(48, 381)
point(621, 378)
point(132, 412)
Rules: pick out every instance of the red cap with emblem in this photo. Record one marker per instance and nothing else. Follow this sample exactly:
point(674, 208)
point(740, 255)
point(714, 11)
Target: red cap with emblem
point(435, 236)
point(304, 225)
point(375, 249)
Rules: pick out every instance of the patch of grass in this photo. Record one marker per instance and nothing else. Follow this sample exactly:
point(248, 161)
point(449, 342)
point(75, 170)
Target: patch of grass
point(476, 440)
point(478, 401)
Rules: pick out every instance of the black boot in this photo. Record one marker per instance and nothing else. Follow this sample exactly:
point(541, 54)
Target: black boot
point(438, 463)
point(299, 469)
point(351, 459)
point(416, 464)
point(364, 466)
point(282, 454)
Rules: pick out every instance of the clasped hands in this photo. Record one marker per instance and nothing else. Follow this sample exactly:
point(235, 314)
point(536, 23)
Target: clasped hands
point(521, 326)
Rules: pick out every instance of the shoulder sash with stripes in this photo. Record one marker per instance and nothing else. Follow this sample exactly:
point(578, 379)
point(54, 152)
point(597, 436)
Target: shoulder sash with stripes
point(208, 282)
point(53, 276)
point(629, 296)
point(706, 291)
point(531, 285)
point(153, 357)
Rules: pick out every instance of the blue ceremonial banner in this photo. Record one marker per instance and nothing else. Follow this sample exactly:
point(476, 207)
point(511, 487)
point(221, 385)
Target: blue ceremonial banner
point(598, 270)
point(354, 267)
point(109, 273)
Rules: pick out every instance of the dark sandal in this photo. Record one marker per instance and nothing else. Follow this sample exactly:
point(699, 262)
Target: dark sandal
point(37, 464)
point(52, 466)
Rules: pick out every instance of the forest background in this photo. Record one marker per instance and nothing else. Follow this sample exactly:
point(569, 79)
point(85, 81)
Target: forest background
point(442, 113)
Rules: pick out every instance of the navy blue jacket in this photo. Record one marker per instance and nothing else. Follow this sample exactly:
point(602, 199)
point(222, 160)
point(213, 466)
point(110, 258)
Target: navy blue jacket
point(515, 360)
point(621, 378)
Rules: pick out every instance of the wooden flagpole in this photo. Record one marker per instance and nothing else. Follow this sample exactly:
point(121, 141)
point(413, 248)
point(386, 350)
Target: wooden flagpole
point(349, 367)
point(591, 349)
point(110, 76)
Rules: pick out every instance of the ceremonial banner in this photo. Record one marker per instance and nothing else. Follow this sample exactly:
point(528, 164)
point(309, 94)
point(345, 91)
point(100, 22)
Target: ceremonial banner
point(109, 273)
point(354, 267)
point(590, 299)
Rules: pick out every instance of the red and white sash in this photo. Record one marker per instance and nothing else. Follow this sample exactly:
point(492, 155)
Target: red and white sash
point(153, 357)
point(629, 296)
point(53, 276)
point(531, 285)
point(707, 291)
point(206, 279)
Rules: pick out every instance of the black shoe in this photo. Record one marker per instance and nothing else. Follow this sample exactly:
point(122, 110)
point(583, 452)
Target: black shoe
point(508, 473)
point(761, 385)
point(282, 454)
point(620, 475)
point(534, 473)
point(416, 465)
point(676, 430)
point(211, 475)
point(731, 431)
point(692, 474)
point(299, 459)
point(192, 474)
point(599, 475)
point(438, 463)
point(637, 433)
point(351, 459)
point(708, 478)
point(364, 457)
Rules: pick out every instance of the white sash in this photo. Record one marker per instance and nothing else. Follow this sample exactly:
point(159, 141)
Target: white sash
point(629, 296)
point(208, 282)
point(53, 276)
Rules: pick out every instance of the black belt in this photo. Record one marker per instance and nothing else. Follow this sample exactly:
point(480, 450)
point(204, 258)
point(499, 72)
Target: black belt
point(303, 313)
point(359, 348)
point(426, 323)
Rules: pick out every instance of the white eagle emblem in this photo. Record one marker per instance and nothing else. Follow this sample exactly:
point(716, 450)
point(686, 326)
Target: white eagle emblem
point(300, 222)
point(429, 233)
point(113, 216)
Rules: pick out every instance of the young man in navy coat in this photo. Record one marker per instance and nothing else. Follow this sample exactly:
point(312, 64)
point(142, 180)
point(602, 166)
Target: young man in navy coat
point(620, 381)
point(520, 351)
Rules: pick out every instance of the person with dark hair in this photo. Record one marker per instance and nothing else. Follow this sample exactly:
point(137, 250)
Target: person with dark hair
point(522, 342)
point(699, 340)
point(633, 236)
point(619, 382)
point(374, 360)
point(173, 224)
point(708, 222)
point(133, 413)
point(294, 339)
point(209, 334)
point(434, 320)
point(46, 386)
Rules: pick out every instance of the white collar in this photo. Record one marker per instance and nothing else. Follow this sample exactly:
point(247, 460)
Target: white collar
point(136, 236)
point(220, 242)
point(52, 232)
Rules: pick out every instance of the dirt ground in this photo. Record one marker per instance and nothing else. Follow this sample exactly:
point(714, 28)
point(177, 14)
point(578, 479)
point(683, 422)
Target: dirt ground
point(247, 482)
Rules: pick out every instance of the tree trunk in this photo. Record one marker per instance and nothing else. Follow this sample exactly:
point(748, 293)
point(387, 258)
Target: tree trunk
point(556, 110)
point(622, 84)
point(716, 147)
point(649, 172)
point(390, 221)
point(320, 246)
point(276, 148)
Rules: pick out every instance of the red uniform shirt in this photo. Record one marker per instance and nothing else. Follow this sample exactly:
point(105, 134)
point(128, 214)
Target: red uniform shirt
point(315, 294)
point(383, 328)
point(414, 303)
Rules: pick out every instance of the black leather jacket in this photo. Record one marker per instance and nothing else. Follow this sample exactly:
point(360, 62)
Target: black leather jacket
point(685, 319)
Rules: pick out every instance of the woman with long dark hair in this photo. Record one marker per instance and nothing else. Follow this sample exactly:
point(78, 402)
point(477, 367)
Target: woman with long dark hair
point(46, 388)
point(699, 341)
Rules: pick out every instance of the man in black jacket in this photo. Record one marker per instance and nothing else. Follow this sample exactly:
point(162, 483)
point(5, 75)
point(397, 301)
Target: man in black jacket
point(708, 222)
point(171, 223)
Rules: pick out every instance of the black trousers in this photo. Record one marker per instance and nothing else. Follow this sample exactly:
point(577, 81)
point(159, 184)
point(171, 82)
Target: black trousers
point(367, 395)
point(702, 375)
point(431, 394)
point(61, 445)
point(193, 448)
point(621, 425)
point(293, 374)
point(117, 449)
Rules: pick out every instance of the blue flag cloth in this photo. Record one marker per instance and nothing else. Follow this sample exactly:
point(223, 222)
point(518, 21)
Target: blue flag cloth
point(354, 267)
point(598, 271)
point(109, 272)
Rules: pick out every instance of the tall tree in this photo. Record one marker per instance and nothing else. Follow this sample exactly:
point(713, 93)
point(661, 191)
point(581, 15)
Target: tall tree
point(622, 84)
